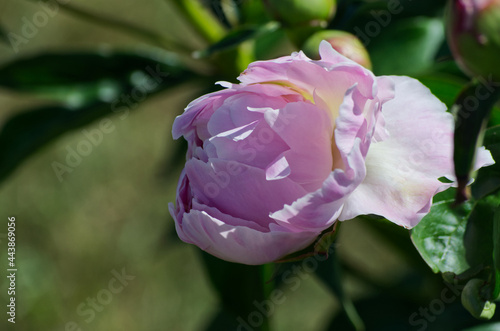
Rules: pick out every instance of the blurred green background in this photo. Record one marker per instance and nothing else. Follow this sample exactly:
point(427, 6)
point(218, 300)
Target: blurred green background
point(110, 213)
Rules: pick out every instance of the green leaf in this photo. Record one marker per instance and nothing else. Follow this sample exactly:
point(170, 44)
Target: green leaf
point(408, 47)
point(485, 327)
point(496, 253)
point(442, 86)
point(80, 78)
point(471, 113)
point(25, 133)
point(439, 236)
point(445, 80)
point(227, 12)
point(239, 288)
point(460, 241)
point(494, 117)
point(478, 240)
point(201, 19)
point(237, 37)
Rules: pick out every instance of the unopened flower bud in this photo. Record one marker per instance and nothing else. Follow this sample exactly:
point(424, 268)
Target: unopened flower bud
point(474, 36)
point(302, 12)
point(343, 42)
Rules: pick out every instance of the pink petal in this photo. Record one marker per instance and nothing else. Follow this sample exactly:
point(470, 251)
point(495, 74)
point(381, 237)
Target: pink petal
point(240, 190)
point(231, 239)
point(309, 155)
point(353, 136)
point(403, 170)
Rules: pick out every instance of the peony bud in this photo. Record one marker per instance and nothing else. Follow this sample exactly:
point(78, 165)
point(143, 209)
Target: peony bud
point(474, 36)
point(275, 161)
point(302, 12)
point(343, 42)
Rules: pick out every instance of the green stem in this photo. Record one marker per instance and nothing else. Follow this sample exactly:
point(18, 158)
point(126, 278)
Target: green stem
point(201, 19)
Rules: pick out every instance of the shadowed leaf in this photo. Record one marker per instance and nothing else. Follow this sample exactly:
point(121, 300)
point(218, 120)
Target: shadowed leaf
point(91, 85)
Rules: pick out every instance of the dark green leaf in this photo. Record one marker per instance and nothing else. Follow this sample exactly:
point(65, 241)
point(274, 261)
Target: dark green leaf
point(478, 240)
point(496, 253)
point(461, 240)
point(408, 47)
point(236, 37)
point(488, 179)
point(494, 116)
point(443, 87)
point(80, 78)
point(24, 133)
point(227, 12)
point(439, 236)
point(472, 113)
point(492, 136)
point(445, 80)
point(239, 288)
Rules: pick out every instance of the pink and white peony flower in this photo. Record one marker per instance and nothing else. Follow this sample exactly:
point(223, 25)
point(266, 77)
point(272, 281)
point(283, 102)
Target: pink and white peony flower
point(300, 144)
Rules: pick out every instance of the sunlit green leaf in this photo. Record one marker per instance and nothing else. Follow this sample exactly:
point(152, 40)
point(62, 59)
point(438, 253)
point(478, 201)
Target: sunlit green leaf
point(439, 236)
